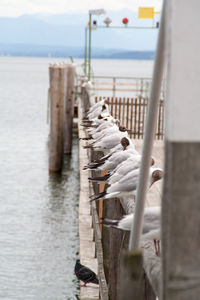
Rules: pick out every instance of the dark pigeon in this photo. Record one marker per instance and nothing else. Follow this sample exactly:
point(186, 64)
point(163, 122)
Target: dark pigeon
point(85, 274)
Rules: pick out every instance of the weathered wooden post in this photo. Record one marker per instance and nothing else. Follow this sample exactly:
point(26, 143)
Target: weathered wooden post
point(132, 276)
point(69, 108)
point(181, 193)
point(57, 88)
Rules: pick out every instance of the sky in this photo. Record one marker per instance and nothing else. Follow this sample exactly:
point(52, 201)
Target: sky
point(15, 8)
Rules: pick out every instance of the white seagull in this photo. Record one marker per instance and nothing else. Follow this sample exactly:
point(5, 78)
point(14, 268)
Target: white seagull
point(128, 184)
point(151, 225)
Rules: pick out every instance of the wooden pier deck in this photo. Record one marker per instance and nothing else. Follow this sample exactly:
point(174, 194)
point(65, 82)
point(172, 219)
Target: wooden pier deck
point(87, 229)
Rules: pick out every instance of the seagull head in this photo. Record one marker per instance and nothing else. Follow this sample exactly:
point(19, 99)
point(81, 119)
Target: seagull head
point(152, 161)
point(122, 128)
point(106, 101)
point(155, 175)
point(125, 143)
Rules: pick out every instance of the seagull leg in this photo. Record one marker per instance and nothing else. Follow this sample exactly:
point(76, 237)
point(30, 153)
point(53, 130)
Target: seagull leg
point(83, 285)
point(157, 247)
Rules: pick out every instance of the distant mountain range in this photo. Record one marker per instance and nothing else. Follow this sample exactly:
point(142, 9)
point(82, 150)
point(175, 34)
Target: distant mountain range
point(64, 35)
point(78, 52)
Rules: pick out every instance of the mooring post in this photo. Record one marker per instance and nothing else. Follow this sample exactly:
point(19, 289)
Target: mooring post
point(115, 247)
point(181, 193)
point(57, 88)
point(131, 276)
point(69, 108)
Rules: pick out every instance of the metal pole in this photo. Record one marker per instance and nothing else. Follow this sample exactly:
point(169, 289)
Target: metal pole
point(89, 54)
point(150, 128)
point(85, 62)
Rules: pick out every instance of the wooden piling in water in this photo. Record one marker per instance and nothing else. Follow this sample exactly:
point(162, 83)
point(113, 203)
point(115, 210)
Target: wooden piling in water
point(69, 109)
point(57, 88)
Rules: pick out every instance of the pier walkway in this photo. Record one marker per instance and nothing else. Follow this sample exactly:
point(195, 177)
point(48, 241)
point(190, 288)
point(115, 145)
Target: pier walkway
point(88, 235)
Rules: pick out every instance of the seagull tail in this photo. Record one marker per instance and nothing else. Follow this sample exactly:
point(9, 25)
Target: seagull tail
point(101, 160)
point(88, 147)
point(112, 195)
point(86, 139)
point(109, 222)
point(101, 195)
point(99, 179)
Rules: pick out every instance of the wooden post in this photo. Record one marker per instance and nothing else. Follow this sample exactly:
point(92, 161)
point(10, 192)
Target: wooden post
point(181, 221)
point(181, 194)
point(101, 189)
point(57, 88)
point(69, 109)
point(131, 276)
point(115, 247)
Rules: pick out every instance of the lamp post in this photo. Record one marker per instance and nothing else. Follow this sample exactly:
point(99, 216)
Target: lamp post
point(92, 12)
point(85, 61)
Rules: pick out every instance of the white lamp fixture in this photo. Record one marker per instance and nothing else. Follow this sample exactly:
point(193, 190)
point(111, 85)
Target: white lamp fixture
point(107, 21)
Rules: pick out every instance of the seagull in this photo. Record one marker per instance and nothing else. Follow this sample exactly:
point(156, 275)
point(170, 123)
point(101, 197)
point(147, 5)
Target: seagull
point(125, 144)
point(128, 165)
point(98, 104)
point(106, 131)
point(111, 133)
point(127, 185)
point(100, 109)
point(85, 274)
point(132, 163)
point(108, 142)
point(117, 159)
point(109, 123)
point(151, 225)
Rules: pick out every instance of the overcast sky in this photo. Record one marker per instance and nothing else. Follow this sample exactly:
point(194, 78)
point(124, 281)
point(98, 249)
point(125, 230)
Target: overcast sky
point(13, 8)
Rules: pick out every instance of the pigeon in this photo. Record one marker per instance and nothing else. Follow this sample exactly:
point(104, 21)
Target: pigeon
point(85, 274)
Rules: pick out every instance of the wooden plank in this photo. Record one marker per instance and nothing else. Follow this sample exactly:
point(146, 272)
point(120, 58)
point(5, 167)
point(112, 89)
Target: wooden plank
point(123, 116)
point(131, 121)
point(111, 110)
point(116, 106)
point(87, 244)
point(99, 250)
point(115, 246)
point(135, 119)
point(127, 113)
point(101, 189)
point(119, 114)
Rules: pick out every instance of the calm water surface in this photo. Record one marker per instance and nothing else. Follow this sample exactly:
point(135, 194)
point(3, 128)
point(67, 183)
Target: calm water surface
point(38, 211)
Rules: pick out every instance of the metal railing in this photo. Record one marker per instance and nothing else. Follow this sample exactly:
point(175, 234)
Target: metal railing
point(124, 86)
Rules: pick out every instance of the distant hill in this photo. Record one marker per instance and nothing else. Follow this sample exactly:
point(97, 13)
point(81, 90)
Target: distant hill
point(34, 34)
point(78, 52)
